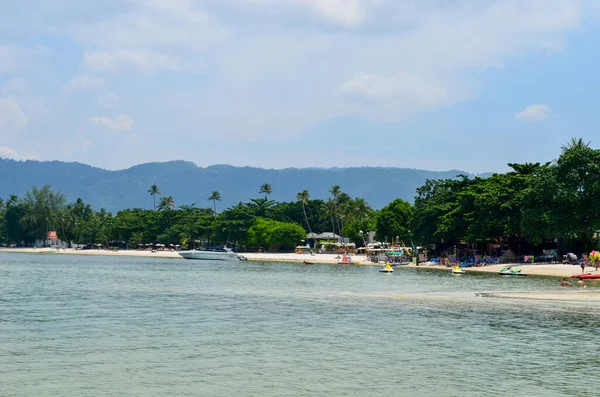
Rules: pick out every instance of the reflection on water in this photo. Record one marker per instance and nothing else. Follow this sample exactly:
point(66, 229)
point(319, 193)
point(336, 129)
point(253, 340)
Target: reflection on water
point(74, 326)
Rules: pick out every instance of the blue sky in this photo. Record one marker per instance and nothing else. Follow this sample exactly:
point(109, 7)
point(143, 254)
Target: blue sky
point(431, 84)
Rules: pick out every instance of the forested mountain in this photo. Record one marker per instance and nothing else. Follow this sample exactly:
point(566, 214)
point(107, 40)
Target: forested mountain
point(188, 183)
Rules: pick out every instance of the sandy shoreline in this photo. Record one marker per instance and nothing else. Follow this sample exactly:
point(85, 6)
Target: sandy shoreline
point(554, 270)
point(542, 270)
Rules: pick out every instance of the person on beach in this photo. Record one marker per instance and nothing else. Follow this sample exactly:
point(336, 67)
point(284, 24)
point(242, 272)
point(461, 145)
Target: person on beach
point(565, 283)
point(581, 284)
point(582, 266)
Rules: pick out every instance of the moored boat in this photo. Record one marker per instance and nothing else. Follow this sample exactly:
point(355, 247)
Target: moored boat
point(212, 254)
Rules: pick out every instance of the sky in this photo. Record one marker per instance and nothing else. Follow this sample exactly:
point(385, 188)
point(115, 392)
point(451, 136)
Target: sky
point(432, 84)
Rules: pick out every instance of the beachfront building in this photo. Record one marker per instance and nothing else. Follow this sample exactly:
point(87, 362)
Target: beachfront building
point(52, 241)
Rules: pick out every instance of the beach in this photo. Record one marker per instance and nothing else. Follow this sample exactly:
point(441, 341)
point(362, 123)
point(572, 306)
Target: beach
point(549, 270)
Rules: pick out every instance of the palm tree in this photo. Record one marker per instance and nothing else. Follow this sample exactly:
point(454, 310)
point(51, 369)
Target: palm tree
point(154, 190)
point(336, 191)
point(266, 189)
point(329, 211)
point(215, 196)
point(361, 209)
point(576, 143)
point(166, 203)
point(304, 198)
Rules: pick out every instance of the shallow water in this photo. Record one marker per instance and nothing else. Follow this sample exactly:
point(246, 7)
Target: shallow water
point(113, 326)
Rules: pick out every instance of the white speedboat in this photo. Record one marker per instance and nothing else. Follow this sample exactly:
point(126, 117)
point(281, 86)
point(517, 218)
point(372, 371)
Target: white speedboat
point(212, 254)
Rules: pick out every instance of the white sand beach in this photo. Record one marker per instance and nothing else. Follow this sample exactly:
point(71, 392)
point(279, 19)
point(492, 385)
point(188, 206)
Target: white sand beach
point(552, 270)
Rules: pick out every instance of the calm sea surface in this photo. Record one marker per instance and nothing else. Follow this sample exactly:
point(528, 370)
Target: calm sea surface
point(112, 326)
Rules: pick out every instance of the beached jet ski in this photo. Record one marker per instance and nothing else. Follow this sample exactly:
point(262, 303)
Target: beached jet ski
point(509, 271)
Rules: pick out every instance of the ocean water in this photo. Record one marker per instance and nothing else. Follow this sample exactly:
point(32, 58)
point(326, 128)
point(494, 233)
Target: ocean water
point(112, 326)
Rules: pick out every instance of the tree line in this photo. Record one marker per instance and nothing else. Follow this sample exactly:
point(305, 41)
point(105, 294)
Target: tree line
point(534, 206)
point(531, 207)
point(259, 222)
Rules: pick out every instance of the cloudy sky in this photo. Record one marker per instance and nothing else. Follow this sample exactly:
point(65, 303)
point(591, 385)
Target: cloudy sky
point(435, 84)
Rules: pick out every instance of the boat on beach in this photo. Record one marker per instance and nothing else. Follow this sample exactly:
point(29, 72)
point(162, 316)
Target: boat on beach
point(212, 254)
point(587, 276)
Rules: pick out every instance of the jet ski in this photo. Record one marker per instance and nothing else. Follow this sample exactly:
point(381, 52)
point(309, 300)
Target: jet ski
point(509, 271)
point(458, 270)
point(387, 269)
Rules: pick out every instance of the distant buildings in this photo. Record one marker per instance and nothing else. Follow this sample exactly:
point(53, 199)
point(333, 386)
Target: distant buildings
point(51, 240)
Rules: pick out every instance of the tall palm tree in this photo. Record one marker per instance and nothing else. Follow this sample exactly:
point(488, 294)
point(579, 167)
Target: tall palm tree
point(304, 198)
point(329, 211)
point(215, 196)
point(266, 189)
point(361, 209)
point(154, 190)
point(166, 204)
point(336, 191)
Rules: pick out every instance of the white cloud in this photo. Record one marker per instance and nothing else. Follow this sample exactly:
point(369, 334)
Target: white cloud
point(109, 101)
point(121, 122)
point(83, 82)
point(8, 153)
point(344, 12)
point(132, 60)
point(374, 87)
point(11, 114)
point(537, 112)
point(15, 85)
point(18, 58)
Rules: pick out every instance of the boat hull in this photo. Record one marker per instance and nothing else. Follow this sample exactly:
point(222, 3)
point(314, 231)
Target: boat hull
point(211, 256)
point(588, 276)
point(512, 274)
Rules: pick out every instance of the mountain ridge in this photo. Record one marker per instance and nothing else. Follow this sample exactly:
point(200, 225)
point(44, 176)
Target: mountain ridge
point(189, 183)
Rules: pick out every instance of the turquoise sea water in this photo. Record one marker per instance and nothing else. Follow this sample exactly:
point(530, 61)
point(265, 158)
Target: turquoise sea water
point(113, 326)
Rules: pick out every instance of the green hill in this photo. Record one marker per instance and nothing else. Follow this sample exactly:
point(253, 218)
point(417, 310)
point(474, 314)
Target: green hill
point(188, 183)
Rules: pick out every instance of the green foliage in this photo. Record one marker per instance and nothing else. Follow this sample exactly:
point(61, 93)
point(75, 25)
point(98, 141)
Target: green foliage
point(42, 208)
point(275, 234)
point(394, 220)
point(532, 203)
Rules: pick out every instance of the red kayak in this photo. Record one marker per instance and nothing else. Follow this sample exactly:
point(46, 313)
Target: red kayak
point(588, 276)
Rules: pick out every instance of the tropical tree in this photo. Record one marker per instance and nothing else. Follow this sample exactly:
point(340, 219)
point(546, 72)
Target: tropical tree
point(154, 190)
point(336, 191)
point(394, 220)
point(166, 203)
point(304, 197)
point(215, 196)
point(329, 211)
point(266, 189)
point(41, 209)
point(274, 234)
